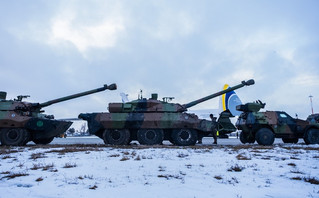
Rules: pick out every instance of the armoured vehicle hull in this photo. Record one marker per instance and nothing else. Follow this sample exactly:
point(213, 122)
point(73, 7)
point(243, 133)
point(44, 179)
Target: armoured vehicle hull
point(152, 128)
point(22, 130)
point(264, 127)
point(313, 118)
point(150, 121)
point(21, 122)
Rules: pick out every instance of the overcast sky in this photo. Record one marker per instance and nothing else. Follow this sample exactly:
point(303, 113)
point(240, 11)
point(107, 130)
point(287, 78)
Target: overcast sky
point(181, 48)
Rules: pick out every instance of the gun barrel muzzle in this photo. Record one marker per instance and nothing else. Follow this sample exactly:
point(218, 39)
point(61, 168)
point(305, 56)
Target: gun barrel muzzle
point(111, 86)
point(249, 82)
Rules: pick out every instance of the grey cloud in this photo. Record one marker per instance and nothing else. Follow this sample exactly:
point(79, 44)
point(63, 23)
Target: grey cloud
point(184, 49)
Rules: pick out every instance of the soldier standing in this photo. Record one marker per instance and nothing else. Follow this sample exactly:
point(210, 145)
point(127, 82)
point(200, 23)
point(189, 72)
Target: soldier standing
point(214, 127)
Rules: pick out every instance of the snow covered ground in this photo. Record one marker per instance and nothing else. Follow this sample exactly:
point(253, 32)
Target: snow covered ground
point(284, 170)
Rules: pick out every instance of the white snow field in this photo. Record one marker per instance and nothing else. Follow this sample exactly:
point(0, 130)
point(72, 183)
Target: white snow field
point(285, 170)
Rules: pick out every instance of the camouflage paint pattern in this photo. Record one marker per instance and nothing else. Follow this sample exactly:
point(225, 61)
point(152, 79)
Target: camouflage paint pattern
point(279, 123)
point(143, 120)
point(21, 122)
point(150, 121)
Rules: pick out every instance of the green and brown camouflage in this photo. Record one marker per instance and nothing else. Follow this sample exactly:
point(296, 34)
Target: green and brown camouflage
point(264, 127)
point(21, 122)
point(150, 121)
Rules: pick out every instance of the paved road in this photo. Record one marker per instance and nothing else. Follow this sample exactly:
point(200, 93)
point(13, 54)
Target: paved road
point(96, 140)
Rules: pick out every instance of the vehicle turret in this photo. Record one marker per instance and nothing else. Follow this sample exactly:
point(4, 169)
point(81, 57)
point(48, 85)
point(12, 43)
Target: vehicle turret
point(251, 107)
point(27, 108)
point(154, 105)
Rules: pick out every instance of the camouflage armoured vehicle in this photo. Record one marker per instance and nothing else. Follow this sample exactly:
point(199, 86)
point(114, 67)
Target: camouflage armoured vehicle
point(150, 121)
point(313, 118)
point(21, 122)
point(264, 127)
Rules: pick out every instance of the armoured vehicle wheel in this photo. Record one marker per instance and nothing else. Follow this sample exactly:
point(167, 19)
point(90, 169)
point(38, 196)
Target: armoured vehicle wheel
point(184, 137)
point(290, 140)
point(244, 138)
point(43, 140)
point(251, 139)
point(150, 136)
point(15, 137)
point(105, 140)
point(265, 137)
point(117, 136)
point(312, 136)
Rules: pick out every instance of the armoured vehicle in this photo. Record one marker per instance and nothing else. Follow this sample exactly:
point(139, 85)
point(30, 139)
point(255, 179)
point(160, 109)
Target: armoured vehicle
point(21, 122)
point(313, 118)
point(264, 127)
point(150, 121)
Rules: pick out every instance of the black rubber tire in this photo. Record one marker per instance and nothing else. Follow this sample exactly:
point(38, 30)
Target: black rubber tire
point(184, 137)
point(43, 140)
point(103, 137)
point(244, 139)
point(251, 140)
point(150, 136)
point(311, 136)
point(290, 140)
point(265, 137)
point(14, 137)
point(116, 136)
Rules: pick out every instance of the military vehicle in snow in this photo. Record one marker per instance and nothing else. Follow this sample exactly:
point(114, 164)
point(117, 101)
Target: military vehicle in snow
point(264, 127)
point(313, 118)
point(150, 121)
point(21, 122)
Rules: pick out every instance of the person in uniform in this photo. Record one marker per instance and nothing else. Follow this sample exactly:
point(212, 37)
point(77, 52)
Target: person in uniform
point(214, 127)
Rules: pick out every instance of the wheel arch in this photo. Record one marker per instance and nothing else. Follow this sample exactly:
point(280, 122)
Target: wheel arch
point(310, 127)
point(264, 126)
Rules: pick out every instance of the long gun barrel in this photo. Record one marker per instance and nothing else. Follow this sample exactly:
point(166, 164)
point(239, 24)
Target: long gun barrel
point(110, 87)
point(243, 83)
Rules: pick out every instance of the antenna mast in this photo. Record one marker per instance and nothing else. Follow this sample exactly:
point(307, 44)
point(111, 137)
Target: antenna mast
point(311, 103)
